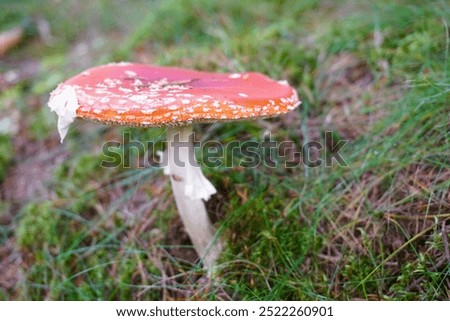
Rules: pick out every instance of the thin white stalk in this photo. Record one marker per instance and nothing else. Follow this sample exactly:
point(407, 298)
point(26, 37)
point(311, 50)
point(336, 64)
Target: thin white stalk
point(190, 188)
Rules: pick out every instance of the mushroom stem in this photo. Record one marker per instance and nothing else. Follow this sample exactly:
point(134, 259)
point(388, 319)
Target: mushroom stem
point(190, 188)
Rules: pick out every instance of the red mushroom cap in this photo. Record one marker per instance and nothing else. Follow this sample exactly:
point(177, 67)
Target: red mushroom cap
point(150, 96)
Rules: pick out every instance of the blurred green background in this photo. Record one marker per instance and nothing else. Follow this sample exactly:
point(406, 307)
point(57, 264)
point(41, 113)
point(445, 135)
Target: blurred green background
point(373, 73)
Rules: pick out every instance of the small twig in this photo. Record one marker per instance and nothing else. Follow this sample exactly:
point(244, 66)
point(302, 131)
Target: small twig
point(416, 217)
point(180, 82)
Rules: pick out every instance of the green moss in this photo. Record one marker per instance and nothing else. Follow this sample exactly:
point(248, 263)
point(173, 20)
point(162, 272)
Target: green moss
point(37, 227)
point(6, 154)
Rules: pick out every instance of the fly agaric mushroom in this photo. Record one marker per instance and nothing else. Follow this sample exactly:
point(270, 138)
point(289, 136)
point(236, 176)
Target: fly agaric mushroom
point(149, 96)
